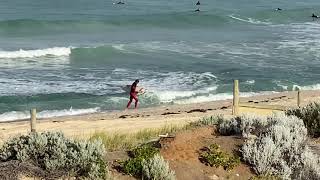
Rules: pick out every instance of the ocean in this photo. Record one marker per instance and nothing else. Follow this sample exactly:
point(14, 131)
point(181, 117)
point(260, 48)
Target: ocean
point(73, 57)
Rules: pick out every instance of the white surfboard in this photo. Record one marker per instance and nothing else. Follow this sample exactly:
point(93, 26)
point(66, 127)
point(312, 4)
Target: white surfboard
point(127, 89)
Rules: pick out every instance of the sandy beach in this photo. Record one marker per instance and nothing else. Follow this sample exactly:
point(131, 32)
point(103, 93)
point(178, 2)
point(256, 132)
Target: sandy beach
point(133, 120)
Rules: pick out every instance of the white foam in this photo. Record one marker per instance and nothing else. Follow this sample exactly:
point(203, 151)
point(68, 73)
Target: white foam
point(55, 51)
point(284, 87)
point(18, 115)
point(249, 20)
point(170, 96)
point(309, 87)
point(217, 97)
point(250, 81)
point(119, 47)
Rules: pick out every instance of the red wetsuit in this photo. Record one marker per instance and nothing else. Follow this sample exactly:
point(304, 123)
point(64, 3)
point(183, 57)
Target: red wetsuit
point(133, 95)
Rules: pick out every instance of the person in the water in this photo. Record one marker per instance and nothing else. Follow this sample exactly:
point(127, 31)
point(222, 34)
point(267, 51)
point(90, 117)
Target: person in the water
point(134, 94)
point(198, 3)
point(278, 9)
point(314, 16)
point(120, 2)
point(197, 10)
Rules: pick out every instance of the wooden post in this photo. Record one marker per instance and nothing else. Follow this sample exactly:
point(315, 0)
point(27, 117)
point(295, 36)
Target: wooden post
point(235, 109)
point(299, 98)
point(33, 119)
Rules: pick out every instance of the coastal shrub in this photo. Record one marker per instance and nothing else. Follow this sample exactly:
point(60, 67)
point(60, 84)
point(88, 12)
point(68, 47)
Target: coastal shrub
point(213, 156)
point(133, 166)
point(280, 149)
point(51, 151)
point(157, 168)
point(310, 116)
point(244, 125)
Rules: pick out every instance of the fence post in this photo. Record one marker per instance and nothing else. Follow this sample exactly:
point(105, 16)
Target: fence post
point(33, 119)
point(299, 98)
point(235, 108)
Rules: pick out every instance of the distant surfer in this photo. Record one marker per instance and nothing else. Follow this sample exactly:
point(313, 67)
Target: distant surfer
point(314, 16)
point(278, 9)
point(120, 2)
point(134, 94)
point(197, 10)
point(198, 3)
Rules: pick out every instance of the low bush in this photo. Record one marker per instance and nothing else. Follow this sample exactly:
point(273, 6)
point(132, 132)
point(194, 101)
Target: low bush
point(310, 116)
point(51, 151)
point(280, 149)
point(245, 125)
point(213, 156)
point(133, 166)
point(157, 168)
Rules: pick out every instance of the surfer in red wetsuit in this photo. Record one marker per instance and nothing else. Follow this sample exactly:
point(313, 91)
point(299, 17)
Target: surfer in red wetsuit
point(134, 94)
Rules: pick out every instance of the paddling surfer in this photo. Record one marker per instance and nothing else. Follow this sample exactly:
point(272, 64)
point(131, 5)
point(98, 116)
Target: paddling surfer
point(314, 16)
point(134, 94)
point(198, 3)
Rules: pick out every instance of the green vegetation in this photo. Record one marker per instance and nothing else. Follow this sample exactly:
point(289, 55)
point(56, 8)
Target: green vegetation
point(213, 156)
point(52, 152)
point(207, 121)
point(310, 116)
point(133, 166)
point(157, 168)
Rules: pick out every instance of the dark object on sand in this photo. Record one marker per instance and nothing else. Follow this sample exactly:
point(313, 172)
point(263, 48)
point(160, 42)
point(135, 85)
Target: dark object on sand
point(167, 113)
point(123, 116)
point(197, 110)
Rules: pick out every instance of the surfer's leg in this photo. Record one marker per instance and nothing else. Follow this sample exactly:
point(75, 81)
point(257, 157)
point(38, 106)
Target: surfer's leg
point(136, 103)
point(129, 103)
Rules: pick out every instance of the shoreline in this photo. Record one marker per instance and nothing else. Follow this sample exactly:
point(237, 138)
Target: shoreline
point(140, 109)
point(153, 117)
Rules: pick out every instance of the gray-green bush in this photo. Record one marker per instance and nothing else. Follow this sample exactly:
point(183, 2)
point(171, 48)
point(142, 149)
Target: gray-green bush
point(51, 151)
point(310, 116)
point(245, 125)
point(157, 168)
point(279, 148)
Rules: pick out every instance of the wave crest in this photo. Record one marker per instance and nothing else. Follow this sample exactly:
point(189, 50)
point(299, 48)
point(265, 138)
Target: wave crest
point(55, 51)
point(19, 115)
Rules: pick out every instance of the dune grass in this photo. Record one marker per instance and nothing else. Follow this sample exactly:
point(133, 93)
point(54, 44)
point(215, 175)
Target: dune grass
point(116, 141)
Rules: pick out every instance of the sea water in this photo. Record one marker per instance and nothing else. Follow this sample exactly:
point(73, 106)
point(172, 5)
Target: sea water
point(72, 57)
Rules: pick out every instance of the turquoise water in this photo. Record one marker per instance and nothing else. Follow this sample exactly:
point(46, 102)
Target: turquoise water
point(75, 57)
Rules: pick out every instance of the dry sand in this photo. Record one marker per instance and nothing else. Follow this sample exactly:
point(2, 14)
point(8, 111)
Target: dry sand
point(134, 120)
